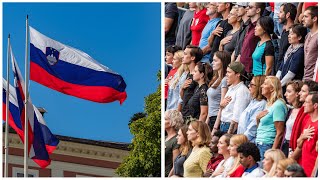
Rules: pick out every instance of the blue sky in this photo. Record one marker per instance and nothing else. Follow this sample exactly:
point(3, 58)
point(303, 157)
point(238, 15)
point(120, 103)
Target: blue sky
point(122, 36)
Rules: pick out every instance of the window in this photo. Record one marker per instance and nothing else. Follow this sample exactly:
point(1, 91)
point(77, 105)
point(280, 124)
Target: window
point(18, 172)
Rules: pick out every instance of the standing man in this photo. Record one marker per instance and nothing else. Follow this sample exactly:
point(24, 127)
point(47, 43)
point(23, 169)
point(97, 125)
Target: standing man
point(170, 23)
point(223, 27)
point(214, 18)
point(184, 33)
point(242, 12)
point(250, 41)
point(287, 14)
point(310, 20)
point(308, 139)
point(236, 99)
point(192, 55)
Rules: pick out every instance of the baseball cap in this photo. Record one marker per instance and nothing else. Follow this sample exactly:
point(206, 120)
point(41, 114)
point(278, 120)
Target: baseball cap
point(237, 67)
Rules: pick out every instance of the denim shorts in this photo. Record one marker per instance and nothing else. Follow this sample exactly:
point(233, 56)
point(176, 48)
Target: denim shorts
point(263, 147)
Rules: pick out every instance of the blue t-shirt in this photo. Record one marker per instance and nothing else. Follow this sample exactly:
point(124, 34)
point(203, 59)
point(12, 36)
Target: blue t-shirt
point(207, 30)
point(266, 131)
point(259, 57)
point(210, 26)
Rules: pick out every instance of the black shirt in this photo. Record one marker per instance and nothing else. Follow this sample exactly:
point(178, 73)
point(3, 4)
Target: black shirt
point(283, 46)
point(240, 37)
point(198, 99)
point(187, 94)
point(171, 11)
point(216, 41)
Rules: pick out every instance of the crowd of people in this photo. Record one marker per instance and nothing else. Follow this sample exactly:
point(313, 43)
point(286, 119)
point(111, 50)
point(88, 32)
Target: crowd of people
point(241, 89)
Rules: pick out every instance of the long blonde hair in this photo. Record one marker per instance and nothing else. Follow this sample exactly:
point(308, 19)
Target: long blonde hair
point(275, 155)
point(183, 67)
point(237, 139)
point(277, 90)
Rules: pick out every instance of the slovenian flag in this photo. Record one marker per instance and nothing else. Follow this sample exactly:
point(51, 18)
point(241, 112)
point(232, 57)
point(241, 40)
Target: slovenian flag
point(73, 72)
point(41, 142)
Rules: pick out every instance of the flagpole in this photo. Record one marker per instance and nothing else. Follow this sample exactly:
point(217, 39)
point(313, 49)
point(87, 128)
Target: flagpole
point(25, 172)
point(6, 138)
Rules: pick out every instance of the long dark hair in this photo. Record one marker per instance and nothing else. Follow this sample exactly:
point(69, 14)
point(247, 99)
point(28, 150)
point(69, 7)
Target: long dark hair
point(206, 69)
point(225, 59)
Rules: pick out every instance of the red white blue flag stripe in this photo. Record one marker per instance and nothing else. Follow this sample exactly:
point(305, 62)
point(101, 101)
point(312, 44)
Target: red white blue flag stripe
point(41, 142)
point(73, 72)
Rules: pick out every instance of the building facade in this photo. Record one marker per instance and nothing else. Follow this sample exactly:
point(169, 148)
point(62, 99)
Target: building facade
point(74, 157)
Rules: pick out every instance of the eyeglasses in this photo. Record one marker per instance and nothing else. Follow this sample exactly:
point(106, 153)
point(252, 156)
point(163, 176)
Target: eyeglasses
point(250, 7)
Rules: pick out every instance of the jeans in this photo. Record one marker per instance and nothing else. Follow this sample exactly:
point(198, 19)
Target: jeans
point(263, 148)
point(224, 126)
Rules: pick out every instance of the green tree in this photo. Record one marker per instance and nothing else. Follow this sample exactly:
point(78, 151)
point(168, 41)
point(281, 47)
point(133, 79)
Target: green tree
point(144, 159)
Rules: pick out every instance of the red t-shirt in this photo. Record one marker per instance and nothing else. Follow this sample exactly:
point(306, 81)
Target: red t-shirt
point(238, 172)
point(309, 153)
point(199, 21)
point(170, 76)
point(272, 6)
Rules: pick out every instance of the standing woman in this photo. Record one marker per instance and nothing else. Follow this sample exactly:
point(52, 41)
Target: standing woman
point(271, 121)
point(198, 103)
point(177, 81)
point(247, 121)
point(217, 87)
point(173, 121)
point(185, 150)
point(292, 64)
point(263, 55)
point(292, 96)
point(199, 135)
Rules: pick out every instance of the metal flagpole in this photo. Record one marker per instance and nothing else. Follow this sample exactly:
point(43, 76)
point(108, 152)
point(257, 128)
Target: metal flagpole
point(26, 105)
point(6, 138)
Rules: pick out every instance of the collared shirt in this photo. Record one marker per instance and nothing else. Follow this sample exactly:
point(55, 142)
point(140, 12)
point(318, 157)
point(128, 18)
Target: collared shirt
point(254, 171)
point(248, 46)
point(247, 121)
point(249, 170)
point(174, 92)
point(240, 98)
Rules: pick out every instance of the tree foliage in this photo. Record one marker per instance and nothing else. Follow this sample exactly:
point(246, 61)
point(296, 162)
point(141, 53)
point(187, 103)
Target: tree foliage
point(144, 159)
